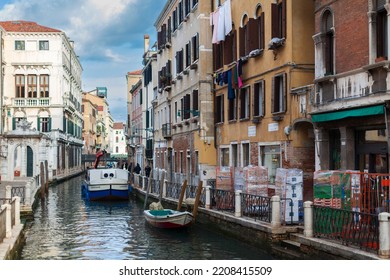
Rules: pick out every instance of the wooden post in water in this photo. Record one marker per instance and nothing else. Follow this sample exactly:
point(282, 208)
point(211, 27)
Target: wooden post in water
point(148, 189)
point(46, 176)
point(42, 169)
point(181, 198)
point(197, 199)
point(161, 185)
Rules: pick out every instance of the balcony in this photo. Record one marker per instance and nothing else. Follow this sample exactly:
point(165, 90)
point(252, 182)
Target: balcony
point(31, 102)
point(167, 130)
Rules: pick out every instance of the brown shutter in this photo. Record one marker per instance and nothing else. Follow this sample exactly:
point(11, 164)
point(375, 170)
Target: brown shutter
point(253, 35)
point(234, 47)
point(242, 41)
point(262, 34)
point(284, 19)
point(195, 98)
point(264, 96)
point(273, 96)
point(275, 23)
point(285, 92)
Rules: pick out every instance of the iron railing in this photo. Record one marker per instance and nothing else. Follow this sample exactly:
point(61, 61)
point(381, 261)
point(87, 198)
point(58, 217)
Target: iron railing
point(173, 190)
point(349, 227)
point(19, 191)
point(223, 200)
point(257, 207)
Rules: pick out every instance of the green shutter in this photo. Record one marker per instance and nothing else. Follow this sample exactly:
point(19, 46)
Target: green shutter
point(13, 123)
point(49, 124)
point(39, 124)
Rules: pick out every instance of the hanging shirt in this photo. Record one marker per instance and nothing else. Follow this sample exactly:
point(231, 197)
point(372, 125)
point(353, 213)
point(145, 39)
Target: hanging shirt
point(231, 94)
point(221, 24)
point(228, 16)
point(214, 19)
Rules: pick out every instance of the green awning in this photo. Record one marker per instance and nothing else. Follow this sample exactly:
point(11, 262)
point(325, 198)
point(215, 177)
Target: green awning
point(358, 112)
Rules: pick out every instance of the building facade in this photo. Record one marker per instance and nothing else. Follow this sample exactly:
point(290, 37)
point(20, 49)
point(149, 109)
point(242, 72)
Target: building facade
point(263, 74)
point(184, 102)
point(350, 103)
point(90, 114)
point(41, 98)
point(119, 150)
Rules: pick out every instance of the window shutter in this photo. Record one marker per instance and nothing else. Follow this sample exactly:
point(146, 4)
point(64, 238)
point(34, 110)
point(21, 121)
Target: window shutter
point(13, 123)
point(273, 95)
point(256, 98)
point(242, 41)
point(195, 98)
point(64, 125)
point(275, 23)
point(262, 112)
point(284, 92)
point(262, 36)
point(284, 19)
point(39, 124)
point(253, 35)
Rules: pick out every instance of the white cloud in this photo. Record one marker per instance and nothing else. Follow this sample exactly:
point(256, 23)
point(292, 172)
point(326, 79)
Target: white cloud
point(108, 35)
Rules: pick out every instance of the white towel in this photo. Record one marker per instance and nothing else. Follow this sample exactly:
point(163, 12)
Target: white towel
point(228, 16)
point(221, 24)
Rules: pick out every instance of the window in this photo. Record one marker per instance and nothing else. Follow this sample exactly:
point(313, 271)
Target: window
point(279, 19)
point(279, 94)
point(20, 45)
point(234, 155)
point(43, 45)
point(20, 86)
point(188, 54)
point(186, 106)
point(32, 86)
point(174, 20)
point(244, 37)
point(195, 47)
point(245, 154)
point(195, 102)
point(44, 124)
point(232, 109)
point(244, 103)
point(381, 28)
point(225, 157)
point(117, 139)
point(219, 109)
point(179, 62)
point(258, 99)
point(181, 16)
point(260, 28)
point(16, 120)
point(117, 149)
point(271, 158)
point(229, 48)
point(187, 7)
point(218, 56)
point(328, 43)
point(194, 2)
point(44, 85)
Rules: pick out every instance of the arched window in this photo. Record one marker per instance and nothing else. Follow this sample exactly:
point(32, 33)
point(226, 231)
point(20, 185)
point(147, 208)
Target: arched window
point(327, 24)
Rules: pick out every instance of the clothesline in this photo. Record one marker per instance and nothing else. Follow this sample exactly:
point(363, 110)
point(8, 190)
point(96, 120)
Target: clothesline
point(231, 77)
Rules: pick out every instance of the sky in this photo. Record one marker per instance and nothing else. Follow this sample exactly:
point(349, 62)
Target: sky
point(108, 37)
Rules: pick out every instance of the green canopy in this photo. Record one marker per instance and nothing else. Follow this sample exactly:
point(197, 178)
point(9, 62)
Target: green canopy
point(357, 112)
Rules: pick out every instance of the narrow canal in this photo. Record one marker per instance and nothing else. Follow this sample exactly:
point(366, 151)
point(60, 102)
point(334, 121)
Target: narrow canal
point(65, 226)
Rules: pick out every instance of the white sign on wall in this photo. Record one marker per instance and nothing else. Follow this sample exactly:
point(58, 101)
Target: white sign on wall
point(251, 131)
point(273, 127)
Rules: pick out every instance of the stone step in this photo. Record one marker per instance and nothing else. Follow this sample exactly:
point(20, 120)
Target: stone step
point(291, 244)
point(284, 253)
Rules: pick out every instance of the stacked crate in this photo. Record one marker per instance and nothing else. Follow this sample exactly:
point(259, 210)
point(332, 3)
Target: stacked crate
point(289, 186)
point(256, 180)
point(224, 178)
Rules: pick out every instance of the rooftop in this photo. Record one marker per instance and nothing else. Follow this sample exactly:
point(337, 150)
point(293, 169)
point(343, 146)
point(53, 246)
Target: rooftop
point(25, 26)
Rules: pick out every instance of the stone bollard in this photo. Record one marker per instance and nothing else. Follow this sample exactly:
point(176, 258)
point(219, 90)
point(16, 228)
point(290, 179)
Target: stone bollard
point(8, 192)
point(238, 212)
point(8, 221)
point(164, 188)
point(384, 235)
point(308, 219)
point(208, 197)
point(275, 218)
point(17, 210)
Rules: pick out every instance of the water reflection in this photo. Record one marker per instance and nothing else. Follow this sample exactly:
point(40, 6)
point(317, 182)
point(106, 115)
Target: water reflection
point(67, 227)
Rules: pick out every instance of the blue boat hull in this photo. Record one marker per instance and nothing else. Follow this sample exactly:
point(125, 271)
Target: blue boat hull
point(106, 192)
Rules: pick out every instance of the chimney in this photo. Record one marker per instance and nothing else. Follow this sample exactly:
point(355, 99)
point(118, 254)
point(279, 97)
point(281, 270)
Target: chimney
point(146, 43)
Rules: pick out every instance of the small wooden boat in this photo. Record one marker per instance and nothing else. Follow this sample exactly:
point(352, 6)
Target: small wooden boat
point(168, 218)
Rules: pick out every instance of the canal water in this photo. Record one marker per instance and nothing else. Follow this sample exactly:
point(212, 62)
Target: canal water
point(65, 226)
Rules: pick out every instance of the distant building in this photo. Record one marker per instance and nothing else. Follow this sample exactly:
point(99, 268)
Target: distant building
point(119, 150)
point(90, 115)
point(41, 101)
